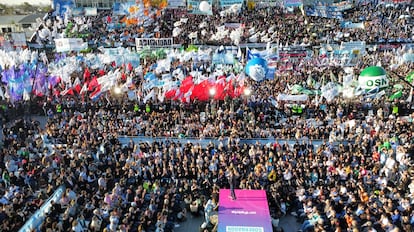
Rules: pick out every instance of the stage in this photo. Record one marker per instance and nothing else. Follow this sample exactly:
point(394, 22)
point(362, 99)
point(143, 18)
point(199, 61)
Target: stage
point(248, 213)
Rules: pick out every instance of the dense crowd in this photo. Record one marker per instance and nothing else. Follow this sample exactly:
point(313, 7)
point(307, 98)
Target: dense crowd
point(382, 24)
point(360, 178)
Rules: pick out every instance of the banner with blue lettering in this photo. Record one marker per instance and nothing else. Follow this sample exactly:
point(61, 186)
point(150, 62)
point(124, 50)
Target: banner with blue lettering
point(354, 47)
point(293, 3)
point(352, 25)
point(228, 3)
point(342, 6)
point(200, 7)
point(174, 4)
point(63, 6)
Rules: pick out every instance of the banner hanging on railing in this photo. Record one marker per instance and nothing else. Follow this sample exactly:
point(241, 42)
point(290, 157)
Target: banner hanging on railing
point(268, 3)
point(352, 25)
point(293, 3)
point(228, 3)
point(154, 42)
point(358, 47)
point(174, 4)
point(342, 6)
point(324, 12)
point(70, 44)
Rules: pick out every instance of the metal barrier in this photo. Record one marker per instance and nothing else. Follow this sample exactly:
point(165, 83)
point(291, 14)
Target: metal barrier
point(204, 142)
point(36, 220)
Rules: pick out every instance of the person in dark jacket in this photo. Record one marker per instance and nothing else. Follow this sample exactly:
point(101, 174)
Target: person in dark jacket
point(233, 175)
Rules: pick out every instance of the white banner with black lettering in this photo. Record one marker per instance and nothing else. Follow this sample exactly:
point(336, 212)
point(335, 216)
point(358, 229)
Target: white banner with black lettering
point(370, 82)
point(154, 42)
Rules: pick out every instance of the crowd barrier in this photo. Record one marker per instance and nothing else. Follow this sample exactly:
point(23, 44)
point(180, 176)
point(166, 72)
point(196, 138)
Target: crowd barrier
point(35, 221)
point(204, 142)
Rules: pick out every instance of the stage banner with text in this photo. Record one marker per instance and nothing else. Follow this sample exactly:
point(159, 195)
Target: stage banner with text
point(249, 212)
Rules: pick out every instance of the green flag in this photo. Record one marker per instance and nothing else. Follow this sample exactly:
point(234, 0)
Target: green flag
point(296, 89)
point(398, 86)
point(191, 48)
point(396, 95)
point(307, 91)
point(410, 77)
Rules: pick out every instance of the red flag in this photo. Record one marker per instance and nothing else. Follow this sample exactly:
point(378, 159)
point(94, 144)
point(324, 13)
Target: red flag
point(56, 93)
point(101, 72)
point(220, 93)
point(95, 93)
point(170, 94)
point(230, 89)
point(186, 84)
point(77, 85)
point(67, 92)
point(93, 84)
point(86, 74)
point(201, 91)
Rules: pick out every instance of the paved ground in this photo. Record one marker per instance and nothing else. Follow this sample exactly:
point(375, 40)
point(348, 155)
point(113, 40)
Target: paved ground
point(288, 223)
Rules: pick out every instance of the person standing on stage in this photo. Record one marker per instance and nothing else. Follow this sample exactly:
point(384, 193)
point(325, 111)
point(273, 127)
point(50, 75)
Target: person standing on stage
point(233, 175)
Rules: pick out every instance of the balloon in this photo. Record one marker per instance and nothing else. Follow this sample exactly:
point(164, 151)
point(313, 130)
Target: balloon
point(256, 68)
point(373, 77)
point(204, 6)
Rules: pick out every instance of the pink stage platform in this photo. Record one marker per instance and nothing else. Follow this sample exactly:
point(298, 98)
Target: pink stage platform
point(248, 213)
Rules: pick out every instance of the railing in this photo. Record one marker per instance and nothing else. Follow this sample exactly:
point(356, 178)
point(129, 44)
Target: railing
point(36, 220)
point(204, 142)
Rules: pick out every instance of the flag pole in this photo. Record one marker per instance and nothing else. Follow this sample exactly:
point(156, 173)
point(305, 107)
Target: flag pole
point(401, 78)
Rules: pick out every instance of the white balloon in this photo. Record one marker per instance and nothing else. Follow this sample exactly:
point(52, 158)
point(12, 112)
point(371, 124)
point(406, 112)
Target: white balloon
point(204, 6)
point(257, 72)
